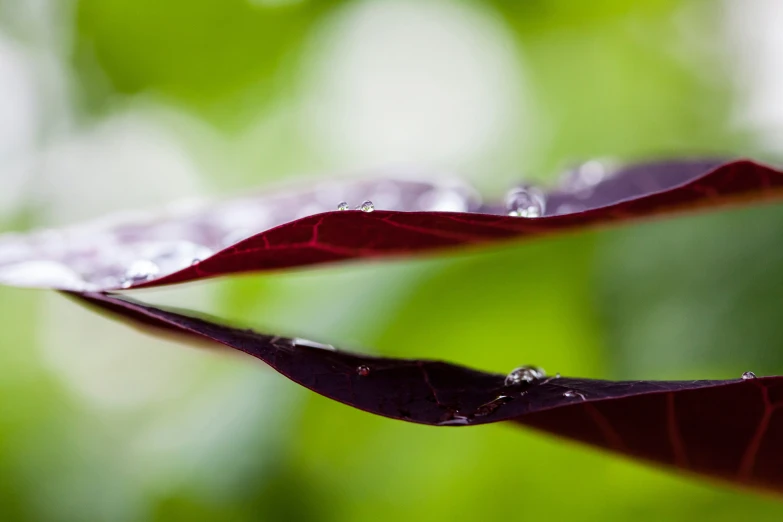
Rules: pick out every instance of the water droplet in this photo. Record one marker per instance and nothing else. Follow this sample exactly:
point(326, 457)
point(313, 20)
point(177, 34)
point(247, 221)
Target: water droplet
point(571, 394)
point(140, 271)
point(748, 375)
point(557, 375)
point(524, 374)
point(200, 255)
point(486, 409)
point(363, 370)
point(343, 205)
point(526, 202)
point(456, 421)
point(312, 344)
point(367, 206)
point(453, 418)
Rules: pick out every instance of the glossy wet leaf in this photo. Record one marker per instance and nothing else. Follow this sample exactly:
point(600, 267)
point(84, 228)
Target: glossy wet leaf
point(729, 430)
point(304, 228)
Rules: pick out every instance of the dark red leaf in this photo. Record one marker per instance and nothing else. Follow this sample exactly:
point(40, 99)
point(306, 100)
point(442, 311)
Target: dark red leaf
point(341, 236)
point(730, 430)
point(95, 258)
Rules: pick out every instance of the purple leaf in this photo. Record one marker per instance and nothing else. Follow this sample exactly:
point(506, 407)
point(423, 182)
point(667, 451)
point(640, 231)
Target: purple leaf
point(730, 430)
point(269, 233)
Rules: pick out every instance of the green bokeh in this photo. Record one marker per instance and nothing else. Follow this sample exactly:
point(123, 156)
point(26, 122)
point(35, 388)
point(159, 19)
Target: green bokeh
point(222, 58)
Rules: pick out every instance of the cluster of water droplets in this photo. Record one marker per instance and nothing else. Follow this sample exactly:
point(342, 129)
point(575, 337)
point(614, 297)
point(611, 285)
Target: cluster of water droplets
point(523, 377)
point(139, 272)
point(534, 374)
point(366, 206)
point(525, 201)
point(157, 259)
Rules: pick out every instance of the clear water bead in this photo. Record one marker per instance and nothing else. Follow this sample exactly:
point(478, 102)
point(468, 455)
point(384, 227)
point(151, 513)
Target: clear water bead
point(526, 202)
point(571, 394)
point(456, 421)
point(363, 370)
point(343, 205)
point(748, 375)
point(524, 374)
point(298, 341)
point(367, 206)
point(491, 406)
point(139, 271)
point(454, 418)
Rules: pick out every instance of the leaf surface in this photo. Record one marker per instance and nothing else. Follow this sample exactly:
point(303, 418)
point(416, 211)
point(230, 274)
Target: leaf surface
point(730, 430)
point(266, 233)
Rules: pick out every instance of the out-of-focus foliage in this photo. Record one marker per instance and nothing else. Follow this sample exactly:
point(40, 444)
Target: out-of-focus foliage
point(209, 54)
point(141, 102)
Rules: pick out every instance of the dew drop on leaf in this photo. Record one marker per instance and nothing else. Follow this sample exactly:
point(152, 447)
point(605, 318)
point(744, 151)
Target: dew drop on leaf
point(748, 375)
point(526, 202)
point(363, 370)
point(524, 374)
point(571, 394)
point(312, 344)
point(454, 418)
point(491, 406)
point(140, 271)
point(367, 206)
point(343, 205)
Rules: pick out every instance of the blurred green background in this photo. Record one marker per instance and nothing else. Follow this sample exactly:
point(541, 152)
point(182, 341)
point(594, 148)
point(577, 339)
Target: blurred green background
point(125, 104)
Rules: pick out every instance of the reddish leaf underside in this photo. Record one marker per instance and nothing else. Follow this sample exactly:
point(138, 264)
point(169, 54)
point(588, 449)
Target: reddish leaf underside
point(186, 244)
point(729, 430)
point(342, 236)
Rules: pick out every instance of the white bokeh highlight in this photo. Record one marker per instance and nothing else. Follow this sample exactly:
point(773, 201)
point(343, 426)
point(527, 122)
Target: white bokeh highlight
point(127, 161)
point(755, 44)
point(19, 124)
point(427, 83)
